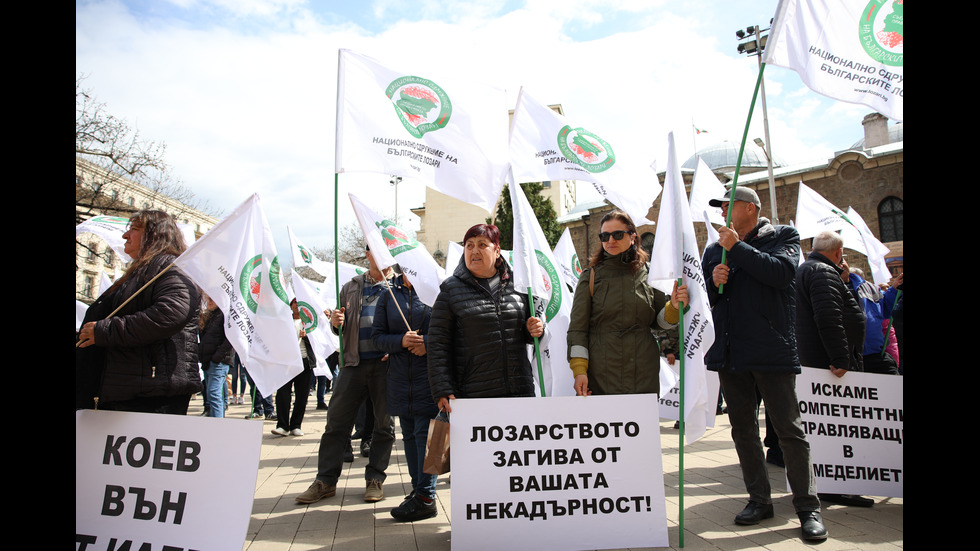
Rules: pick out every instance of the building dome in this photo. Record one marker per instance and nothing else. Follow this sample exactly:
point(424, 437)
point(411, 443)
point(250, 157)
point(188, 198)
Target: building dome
point(721, 158)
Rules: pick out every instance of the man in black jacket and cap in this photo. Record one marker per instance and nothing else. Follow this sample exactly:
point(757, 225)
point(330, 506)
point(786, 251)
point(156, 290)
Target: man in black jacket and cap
point(753, 306)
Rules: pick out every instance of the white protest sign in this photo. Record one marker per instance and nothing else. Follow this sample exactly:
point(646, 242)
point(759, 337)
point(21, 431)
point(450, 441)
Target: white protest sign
point(854, 425)
point(154, 481)
point(566, 472)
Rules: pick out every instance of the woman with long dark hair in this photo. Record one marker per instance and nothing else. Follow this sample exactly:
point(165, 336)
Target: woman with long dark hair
point(480, 327)
point(611, 345)
point(144, 356)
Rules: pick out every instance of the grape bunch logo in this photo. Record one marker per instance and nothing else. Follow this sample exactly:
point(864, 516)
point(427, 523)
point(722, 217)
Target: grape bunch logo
point(585, 149)
point(421, 104)
point(250, 282)
point(396, 239)
point(307, 315)
point(881, 33)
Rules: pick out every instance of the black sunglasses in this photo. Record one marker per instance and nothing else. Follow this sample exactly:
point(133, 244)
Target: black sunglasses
point(617, 235)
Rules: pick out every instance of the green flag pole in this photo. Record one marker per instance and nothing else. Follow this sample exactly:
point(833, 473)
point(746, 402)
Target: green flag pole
point(680, 466)
point(738, 164)
point(537, 348)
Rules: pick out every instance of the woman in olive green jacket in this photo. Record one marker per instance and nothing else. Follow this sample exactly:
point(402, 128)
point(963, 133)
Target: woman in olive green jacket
point(611, 347)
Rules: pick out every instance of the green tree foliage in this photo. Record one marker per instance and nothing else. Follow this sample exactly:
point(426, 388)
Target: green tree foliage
point(544, 211)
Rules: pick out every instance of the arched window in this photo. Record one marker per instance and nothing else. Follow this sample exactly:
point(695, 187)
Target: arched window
point(891, 219)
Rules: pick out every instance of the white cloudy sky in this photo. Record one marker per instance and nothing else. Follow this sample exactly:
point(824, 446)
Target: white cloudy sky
point(243, 92)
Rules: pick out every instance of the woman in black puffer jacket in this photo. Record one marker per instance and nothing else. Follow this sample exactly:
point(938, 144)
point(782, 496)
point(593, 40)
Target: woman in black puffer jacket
point(481, 327)
point(144, 357)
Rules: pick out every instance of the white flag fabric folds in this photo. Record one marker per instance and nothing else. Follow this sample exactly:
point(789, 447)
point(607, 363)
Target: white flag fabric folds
point(544, 147)
point(704, 188)
point(303, 256)
point(110, 229)
point(567, 259)
point(237, 265)
point(311, 308)
point(451, 135)
point(875, 250)
point(390, 245)
point(675, 255)
point(849, 50)
point(535, 268)
point(815, 214)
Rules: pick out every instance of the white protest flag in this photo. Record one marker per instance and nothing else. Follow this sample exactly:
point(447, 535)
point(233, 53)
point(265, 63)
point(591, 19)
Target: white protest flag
point(567, 259)
point(110, 229)
point(453, 255)
point(875, 250)
point(535, 268)
point(451, 135)
point(303, 256)
point(390, 244)
point(704, 188)
point(312, 306)
point(236, 264)
point(848, 50)
point(328, 289)
point(543, 147)
point(675, 255)
point(815, 214)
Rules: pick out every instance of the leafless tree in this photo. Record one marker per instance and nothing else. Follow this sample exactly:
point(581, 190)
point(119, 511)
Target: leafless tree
point(116, 151)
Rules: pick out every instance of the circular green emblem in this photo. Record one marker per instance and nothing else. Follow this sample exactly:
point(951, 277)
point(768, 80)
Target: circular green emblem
point(552, 284)
point(307, 257)
point(250, 282)
point(421, 104)
point(880, 31)
point(576, 265)
point(307, 315)
point(585, 149)
point(397, 240)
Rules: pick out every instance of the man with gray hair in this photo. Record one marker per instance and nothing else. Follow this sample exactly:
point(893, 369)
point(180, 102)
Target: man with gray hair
point(829, 322)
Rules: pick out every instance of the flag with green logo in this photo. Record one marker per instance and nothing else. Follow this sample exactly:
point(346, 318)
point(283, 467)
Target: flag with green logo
point(535, 268)
point(391, 245)
point(451, 135)
point(676, 256)
point(567, 259)
point(545, 147)
point(849, 50)
point(316, 323)
point(237, 265)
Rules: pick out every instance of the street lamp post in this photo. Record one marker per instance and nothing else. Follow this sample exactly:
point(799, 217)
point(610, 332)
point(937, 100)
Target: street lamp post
point(755, 46)
point(395, 180)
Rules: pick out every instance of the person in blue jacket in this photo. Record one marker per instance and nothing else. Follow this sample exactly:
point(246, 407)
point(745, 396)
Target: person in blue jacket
point(877, 309)
point(401, 327)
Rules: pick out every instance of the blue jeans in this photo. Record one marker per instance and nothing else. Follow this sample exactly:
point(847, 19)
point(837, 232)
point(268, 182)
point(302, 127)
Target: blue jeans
point(415, 432)
point(215, 377)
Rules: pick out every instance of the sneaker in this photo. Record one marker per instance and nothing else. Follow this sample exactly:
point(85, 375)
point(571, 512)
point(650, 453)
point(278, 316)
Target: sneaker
point(279, 431)
point(408, 498)
point(373, 492)
point(365, 448)
point(416, 509)
point(271, 417)
point(296, 432)
point(317, 491)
